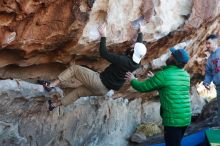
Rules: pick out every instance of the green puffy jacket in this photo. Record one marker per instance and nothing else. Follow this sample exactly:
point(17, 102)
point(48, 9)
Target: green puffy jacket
point(173, 85)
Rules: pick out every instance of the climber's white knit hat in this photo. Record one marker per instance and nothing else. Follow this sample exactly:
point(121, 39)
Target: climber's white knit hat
point(139, 51)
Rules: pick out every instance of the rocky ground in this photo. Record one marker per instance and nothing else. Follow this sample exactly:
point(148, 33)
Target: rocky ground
point(208, 119)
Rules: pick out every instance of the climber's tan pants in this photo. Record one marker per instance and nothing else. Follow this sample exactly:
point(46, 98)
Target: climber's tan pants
point(91, 83)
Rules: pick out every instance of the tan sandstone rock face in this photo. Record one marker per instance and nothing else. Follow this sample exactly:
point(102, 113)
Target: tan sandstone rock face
point(64, 31)
point(40, 38)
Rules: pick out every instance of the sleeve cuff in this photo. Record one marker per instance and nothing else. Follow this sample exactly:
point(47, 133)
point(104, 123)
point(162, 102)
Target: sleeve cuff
point(205, 84)
point(133, 80)
point(103, 38)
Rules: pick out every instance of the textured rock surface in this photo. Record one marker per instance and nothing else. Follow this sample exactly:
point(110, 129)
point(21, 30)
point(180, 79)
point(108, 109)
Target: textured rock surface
point(89, 121)
point(197, 102)
point(64, 31)
point(206, 94)
point(138, 138)
point(40, 38)
point(151, 112)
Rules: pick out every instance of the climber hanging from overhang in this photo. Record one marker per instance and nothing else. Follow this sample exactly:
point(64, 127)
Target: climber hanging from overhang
point(100, 84)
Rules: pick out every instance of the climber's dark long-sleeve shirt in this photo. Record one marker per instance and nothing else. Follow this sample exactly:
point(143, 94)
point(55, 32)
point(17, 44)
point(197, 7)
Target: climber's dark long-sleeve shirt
point(113, 76)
